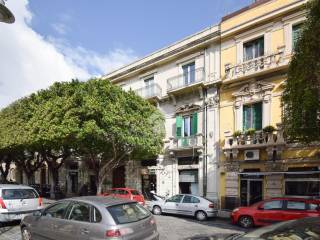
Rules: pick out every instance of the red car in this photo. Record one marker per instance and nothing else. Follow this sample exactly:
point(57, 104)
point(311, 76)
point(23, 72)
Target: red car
point(126, 193)
point(275, 210)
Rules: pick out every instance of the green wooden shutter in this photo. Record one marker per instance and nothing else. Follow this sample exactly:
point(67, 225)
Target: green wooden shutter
point(257, 116)
point(178, 126)
point(194, 127)
point(246, 118)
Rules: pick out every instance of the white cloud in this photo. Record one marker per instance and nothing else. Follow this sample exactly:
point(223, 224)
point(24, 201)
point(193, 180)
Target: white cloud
point(30, 61)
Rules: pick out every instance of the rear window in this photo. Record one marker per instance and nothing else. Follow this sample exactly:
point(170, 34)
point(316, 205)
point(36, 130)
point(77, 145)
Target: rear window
point(127, 213)
point(10, 194)
point(135, 192)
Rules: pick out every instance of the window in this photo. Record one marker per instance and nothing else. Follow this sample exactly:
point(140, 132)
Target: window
point(273, 205)
point(135, 192)
point(127, 213)
point(57, 211)
point(253, 49)
point(188, 73)
point(303, 187)
point(295, 205)
point(296, 34)
point(189, 124)
point(314, 206)
point(80, 212)
point(175, 199)
point(190, 199)
point(9, 194)
point(252, 116)
point(96, 215)
point(149, 83)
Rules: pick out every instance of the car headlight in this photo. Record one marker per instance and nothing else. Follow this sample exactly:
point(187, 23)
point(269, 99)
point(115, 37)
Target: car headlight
point(235, 210)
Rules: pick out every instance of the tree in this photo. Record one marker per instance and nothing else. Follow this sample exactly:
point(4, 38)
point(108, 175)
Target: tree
point(301, 98)
point(116, 125)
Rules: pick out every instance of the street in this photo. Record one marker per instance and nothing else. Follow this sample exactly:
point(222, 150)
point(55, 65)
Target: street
point(170, 228)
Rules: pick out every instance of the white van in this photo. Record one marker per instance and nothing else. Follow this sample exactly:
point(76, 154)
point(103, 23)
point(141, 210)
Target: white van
point(16, 201)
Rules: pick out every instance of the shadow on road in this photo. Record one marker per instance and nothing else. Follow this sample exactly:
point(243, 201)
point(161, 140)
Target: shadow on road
point(5, 227)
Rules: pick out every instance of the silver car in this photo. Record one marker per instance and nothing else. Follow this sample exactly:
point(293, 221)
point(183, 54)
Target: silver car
point(184, 204)
point(16, 201)
point(85, 218)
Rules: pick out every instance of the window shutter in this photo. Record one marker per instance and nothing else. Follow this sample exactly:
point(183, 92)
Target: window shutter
point(194, 124)
point(178, 126)
point(257, 116)
point(246, 116)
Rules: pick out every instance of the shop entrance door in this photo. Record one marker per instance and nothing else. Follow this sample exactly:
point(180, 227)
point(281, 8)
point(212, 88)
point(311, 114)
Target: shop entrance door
point(251, 191)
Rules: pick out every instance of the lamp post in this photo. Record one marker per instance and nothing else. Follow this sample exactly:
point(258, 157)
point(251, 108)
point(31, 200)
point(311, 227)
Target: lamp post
point(6, 15)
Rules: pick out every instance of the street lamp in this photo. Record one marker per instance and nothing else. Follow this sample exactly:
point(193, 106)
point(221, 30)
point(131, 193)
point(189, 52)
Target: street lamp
point(5, 14)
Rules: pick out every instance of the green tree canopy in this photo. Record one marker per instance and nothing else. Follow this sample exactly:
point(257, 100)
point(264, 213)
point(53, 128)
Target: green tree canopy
point(301, 97)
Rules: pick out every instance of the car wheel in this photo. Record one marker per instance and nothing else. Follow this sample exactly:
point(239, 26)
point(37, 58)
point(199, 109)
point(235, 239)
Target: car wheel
point(26, 234)
point(156, 210)
point(201, 216)
point(246, 221)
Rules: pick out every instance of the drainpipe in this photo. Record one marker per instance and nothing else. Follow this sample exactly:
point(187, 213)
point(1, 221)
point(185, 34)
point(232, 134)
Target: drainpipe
point(205, 130)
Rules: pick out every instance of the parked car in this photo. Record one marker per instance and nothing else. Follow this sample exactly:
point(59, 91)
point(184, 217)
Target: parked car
point(275, 210)
point(126, 193)
point(91, 217)
point(184, 204)
point(306, 228)
point(16, 201)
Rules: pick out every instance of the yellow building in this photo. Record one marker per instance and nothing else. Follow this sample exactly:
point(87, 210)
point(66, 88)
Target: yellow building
point(256, 162)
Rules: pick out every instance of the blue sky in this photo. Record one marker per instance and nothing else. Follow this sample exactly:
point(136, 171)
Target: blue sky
point(140, 25)
point(58, 40)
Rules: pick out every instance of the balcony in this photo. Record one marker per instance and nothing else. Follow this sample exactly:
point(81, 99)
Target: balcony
point(256, 66)
point(151, 92)
point(185, 143)
point(270, 141)
point(187, 81)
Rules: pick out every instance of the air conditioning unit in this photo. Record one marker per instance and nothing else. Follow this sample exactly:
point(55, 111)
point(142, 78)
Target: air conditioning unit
point(251, 155)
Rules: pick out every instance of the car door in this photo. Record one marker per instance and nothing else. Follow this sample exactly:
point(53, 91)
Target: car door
point(78, 224)
point(48, 225)
point(189, 205)
point(172, 204)
point(269, 212)
point(295, 209)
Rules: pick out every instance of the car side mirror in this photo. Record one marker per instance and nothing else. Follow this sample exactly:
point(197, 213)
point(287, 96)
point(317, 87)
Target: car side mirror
point(37, 213)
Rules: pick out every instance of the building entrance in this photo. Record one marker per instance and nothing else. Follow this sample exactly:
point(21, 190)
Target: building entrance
point(251, 191)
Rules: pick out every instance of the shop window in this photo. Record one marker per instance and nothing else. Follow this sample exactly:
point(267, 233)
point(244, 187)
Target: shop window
point(252, 116)
point(253, 49)
point(188, 160)
point(302, 188)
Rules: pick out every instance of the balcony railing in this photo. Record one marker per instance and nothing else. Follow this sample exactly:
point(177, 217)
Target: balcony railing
point(255, 65)
point(151, 91)
point(186, 79)
point(257, 140)
point(186, 142)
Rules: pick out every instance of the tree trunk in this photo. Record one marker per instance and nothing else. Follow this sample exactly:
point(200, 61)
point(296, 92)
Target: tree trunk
point(53, 182)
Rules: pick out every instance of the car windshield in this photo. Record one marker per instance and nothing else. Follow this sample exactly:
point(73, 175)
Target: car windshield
point(127, 213)
point(10, 194)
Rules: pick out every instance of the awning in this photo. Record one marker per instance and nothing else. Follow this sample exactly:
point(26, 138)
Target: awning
point(275, 173)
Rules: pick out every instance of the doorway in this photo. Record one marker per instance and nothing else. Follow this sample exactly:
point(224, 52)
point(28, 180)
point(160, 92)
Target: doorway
point(118, 177)
point(251, 191)
point(74, 181)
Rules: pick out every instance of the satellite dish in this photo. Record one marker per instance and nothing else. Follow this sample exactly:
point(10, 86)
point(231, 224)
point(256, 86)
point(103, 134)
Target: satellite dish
point(5, 14)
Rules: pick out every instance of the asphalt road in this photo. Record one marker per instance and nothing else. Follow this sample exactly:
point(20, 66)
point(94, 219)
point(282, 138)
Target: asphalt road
point(169, 227)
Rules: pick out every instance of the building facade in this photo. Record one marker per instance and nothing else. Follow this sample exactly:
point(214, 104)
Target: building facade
point(181, 80)
point(257, 43)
